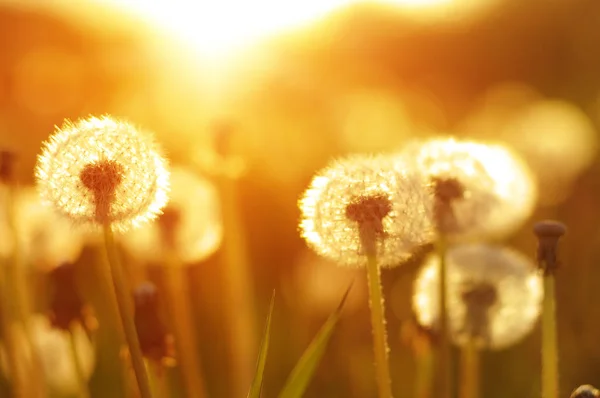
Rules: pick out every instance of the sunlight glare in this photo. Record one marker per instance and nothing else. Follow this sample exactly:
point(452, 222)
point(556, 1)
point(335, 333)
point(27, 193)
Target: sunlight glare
point(219, 27)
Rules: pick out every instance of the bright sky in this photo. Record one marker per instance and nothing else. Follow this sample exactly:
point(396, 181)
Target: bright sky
point(220, 26)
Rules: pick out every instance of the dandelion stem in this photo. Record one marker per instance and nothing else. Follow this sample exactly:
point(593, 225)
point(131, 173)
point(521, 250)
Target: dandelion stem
point(15, 359)
point(120, 290)
point(445, 360)
point(181, 309)
point(550, 381)
point(238, 286)
point(469, 386)
point(425, 363)
point(81, 379)
point(157, 380)
point(380, 344)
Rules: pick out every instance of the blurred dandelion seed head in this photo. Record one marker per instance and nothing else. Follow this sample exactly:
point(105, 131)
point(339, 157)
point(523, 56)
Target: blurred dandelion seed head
point(103, 170)
point(45, 239)
point(585, 391)
point(496, 191)
point(54, 349)
point(506, 280)
point(556, 137)
point(374, 190)
point(191, 222)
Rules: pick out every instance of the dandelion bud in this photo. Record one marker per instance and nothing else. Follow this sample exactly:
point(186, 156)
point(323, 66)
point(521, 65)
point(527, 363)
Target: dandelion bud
point(585, 391)
point(155, 341)
point(102, 171)
point(66, 304)
point(548, 233)
point(7, 164)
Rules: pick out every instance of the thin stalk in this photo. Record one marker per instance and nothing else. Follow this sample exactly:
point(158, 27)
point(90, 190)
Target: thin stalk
point(380, 344)
point(157, 380)
point(15, 359)
point(469, 386)
point(122, 296)
point(238, 288)
point(425, 365)
point(80, 373)
point(178, 296)
point(445, 359)
point(550, 382)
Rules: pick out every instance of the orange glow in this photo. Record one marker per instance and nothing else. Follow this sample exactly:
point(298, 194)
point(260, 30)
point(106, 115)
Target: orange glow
point(217, 28)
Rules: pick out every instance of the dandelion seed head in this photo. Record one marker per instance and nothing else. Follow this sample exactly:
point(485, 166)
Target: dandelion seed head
point(492, 191)
point(494, 295)
point(585, 391)
point(190, 225)
point(44, 239)
point(101, 170)
point(53, 347)
point(375, 192)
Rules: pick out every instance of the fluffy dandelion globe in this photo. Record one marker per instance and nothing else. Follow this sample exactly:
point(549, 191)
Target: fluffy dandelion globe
point(101, 171)
point(44, 239)
point(358, 193)
point(495, 192)
point(194, 214)
point(494, 295)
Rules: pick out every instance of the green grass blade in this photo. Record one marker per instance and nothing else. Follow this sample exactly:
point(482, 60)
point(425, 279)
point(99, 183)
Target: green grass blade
point(302, 374)
point(256, 387)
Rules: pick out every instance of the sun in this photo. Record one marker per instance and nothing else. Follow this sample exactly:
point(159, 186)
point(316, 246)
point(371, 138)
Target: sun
point(220, 27)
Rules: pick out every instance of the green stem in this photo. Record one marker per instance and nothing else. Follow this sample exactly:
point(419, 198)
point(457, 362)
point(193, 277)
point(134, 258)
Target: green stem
point(549, 341)
point(80, 373)
point(382, 367)
point(183, 322)
point(122, 296)
point(445, 359)
point(469, 386)
point(238, 288)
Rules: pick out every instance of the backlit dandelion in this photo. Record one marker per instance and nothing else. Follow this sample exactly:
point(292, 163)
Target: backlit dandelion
point(190, 224)
point(492, 191)
point(376, 193)
point(367, 211)
point(102, 171)
point(494, 295)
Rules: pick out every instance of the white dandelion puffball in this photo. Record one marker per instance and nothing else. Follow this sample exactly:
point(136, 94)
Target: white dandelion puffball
point(45, 239)
point(378, 190)
point(53, 346)
point(100, 170)
point(198, 230)
point(498, 189)
point(494, 295)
